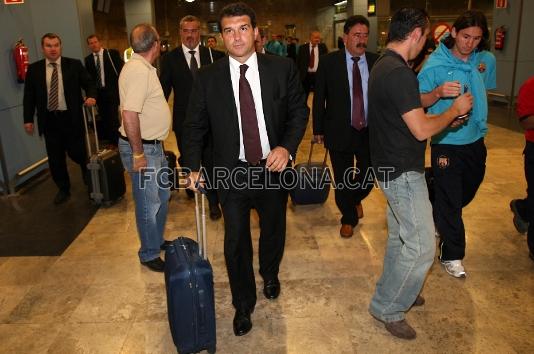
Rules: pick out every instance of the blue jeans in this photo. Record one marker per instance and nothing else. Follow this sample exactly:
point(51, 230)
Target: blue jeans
point(411, 246)
point(151, 195)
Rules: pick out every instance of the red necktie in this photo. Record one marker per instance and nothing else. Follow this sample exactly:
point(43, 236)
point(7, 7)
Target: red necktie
point(249, 120)
point(311, 64)
point(358, 113)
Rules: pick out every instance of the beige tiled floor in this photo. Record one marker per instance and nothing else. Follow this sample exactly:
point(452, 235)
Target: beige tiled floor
point(97, 298)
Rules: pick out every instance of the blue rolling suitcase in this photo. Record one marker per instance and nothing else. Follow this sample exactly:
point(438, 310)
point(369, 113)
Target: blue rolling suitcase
point(190, 297)
point(314, 181)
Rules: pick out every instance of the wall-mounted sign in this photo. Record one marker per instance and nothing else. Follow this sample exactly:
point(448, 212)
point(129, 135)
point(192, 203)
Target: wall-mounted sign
point(13, 2)
point(440, 30)
point(501, 4)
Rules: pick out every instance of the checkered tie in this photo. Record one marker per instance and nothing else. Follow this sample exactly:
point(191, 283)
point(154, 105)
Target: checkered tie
point(53, 100)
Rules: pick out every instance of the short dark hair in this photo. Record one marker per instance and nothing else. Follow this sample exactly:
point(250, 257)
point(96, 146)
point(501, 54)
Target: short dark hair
point(237, 9)
point(471, 18)
point(353, 21)
point(49, 35)
point(143, 37)
point(91, 36)
point(405, 21)
point(209, 37)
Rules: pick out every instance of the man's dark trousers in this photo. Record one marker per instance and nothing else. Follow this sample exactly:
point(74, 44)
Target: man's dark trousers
point(271, 207)
point(350, 188)
point(62, 135)
point(458, 172)
point(525, 206)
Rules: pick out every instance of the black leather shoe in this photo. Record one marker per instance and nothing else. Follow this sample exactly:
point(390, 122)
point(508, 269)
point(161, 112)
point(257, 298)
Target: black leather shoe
point(242, 322)
point(61, 197)
point(215, 212)
point(165, 244)
point(271, 289)
point(156, 264)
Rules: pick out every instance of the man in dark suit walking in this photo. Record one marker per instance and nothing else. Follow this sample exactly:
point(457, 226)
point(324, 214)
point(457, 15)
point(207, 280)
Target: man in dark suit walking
point(178, 71)
point(308, 59)
point(104, 66)
point(339, 118)
point(53, 88)
point(215, 54)
point(252, 107)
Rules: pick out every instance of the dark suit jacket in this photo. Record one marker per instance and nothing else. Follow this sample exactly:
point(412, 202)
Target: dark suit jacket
point(75, 77)
point(303, 58)
point(111, 78)
point(331, 101)
point(212, 110)
point(217, 54)
point(175, 75)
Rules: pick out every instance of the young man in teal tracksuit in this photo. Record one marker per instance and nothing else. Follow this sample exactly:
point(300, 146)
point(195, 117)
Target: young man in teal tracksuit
point(460, 63)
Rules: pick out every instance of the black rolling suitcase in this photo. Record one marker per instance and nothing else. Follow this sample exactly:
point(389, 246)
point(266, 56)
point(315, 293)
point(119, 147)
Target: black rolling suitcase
point(105, 169)
point(313, 181)
point(189, 285)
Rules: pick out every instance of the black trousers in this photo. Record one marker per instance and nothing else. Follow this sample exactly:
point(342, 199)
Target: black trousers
point(458, 172)
point(108, 105)
point(63, 135)
point(238, 251)
point(308, 84)
point(526, 206)
point(351, 188)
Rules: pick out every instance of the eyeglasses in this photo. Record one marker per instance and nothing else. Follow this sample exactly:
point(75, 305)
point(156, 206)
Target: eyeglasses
point(361, 35)
point(190, 31)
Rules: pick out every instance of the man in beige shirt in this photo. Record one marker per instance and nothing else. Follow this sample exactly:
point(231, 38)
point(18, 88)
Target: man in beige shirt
point(146, 121)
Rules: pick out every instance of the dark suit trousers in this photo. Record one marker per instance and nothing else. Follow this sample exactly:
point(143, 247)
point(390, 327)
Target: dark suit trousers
point(108, 106)
point(238, 251)
point(308, 84)
point(62, 136)
point(352, 188)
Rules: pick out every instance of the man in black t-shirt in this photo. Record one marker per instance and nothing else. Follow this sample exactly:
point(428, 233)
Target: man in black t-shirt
point(398, 129)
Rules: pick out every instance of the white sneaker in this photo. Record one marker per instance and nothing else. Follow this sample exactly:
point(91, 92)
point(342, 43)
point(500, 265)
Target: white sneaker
point(454, 268)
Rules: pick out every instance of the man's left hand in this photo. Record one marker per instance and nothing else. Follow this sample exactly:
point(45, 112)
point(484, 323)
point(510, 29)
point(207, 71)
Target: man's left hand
point(89, 101)
point(277, 159)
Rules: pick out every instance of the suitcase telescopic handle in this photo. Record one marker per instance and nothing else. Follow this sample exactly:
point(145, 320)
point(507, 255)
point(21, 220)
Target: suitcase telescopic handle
point(313, 142)
point(88, 140)
point(200, 218)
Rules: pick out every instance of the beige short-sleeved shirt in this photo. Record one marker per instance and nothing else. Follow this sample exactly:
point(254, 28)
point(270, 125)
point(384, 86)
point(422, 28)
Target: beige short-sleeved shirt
point(140, 91)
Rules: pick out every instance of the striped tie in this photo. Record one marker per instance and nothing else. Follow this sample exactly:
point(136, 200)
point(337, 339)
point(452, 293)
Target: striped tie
point(98, 72)
point(53, 101)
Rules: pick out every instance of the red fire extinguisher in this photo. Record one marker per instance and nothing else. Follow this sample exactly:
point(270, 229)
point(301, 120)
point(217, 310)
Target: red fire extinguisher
point(500, 35)
point(20, 55)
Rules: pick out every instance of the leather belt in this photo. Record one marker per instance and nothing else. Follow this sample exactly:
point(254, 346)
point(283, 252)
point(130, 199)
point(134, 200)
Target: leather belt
point(152, 142)
point(248, 164)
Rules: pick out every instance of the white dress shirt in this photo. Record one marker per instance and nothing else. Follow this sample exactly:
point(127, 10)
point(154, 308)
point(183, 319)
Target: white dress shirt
point(62, 104)
point(188, 55)
point(253, 77)
point(101, 55)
